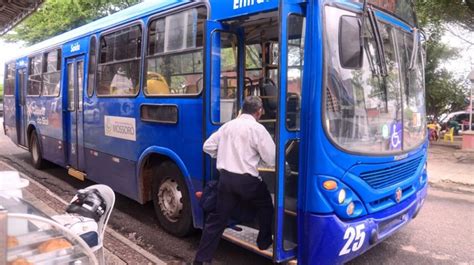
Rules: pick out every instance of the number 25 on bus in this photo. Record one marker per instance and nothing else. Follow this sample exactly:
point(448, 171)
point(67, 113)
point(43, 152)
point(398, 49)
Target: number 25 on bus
point(128, 101)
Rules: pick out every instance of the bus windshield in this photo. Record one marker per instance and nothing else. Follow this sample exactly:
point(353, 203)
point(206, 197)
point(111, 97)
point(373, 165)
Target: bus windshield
point(369, 109)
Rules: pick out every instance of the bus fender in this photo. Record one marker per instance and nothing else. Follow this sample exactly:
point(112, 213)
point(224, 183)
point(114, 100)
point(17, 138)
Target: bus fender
point(177, 160)
point(30, 128)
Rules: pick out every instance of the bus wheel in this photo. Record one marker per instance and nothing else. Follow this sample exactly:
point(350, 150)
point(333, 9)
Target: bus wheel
point(171, 200)
point(35, 151)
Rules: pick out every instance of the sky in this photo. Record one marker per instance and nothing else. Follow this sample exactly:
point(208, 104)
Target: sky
point(7, 51)
point(464, 64)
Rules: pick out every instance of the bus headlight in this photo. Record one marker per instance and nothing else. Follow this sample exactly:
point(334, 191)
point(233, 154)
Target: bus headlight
point(344, 202)
point(342, 196)
point(350, 209)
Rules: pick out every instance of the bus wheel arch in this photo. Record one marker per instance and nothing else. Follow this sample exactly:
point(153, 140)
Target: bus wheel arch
point(34, 147)
point(31, 129)
point(165, 183)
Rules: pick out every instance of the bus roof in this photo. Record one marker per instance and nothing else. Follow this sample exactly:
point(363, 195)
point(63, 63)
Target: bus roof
point(121, 17)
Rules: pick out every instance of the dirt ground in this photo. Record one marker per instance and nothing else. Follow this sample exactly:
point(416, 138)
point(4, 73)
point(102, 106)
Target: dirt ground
point(450, 165)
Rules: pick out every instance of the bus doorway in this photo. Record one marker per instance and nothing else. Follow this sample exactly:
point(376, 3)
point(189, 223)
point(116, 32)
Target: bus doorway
point(248, 57)
point(22, 108)
point(74, 90)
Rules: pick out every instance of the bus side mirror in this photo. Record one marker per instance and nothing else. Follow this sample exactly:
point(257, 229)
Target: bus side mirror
point(350, 48)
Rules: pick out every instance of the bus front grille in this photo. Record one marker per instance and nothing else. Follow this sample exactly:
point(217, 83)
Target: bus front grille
point(392, 175)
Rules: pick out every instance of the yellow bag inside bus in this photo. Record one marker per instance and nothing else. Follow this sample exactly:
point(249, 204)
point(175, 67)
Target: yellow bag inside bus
point(156, 84)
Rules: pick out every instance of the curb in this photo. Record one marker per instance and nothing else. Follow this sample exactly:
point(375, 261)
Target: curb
point(454, 145)
point(453, 186)
point(109, 232)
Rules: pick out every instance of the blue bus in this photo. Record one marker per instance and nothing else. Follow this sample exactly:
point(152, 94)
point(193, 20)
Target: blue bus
point(129, 99)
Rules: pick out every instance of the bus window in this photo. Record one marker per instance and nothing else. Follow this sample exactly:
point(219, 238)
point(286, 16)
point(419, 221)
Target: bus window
point(34, 78)
point(9, 88)
point(80, 84)
point(70, 87)
point(224, 60)
point(52, 76)
point(92, 66)
point(119, 65)
point(174, 56)
point(253, 68)
point(296, 30)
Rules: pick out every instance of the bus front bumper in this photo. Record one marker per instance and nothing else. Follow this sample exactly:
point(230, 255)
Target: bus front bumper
point(330, 240)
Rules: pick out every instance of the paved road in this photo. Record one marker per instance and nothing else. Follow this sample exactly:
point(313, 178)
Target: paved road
point(441, 234)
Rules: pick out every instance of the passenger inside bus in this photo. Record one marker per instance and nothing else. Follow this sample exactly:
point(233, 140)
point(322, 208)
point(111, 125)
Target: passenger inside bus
point(121, 83)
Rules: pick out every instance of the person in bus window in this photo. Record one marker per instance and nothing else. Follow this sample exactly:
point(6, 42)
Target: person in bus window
point(239, 146)
point(121, 83)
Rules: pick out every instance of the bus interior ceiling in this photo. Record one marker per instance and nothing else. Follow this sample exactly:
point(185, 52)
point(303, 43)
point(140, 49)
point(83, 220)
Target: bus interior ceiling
point(261, 37)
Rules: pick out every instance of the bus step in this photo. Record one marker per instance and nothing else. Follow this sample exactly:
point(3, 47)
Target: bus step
point(246, 238)
point(76, 173)
point(293, 262)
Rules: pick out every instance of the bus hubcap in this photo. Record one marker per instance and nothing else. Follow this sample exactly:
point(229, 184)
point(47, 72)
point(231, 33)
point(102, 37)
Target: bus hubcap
point(169, 199)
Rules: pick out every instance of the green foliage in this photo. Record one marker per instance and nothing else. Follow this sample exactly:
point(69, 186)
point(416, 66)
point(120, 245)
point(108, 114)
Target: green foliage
point(1, 91)
point(435, 12)
point(58, 16)
point(444, 93)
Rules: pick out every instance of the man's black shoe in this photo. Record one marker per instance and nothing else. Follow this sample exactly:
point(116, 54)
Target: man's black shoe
point(264, 245)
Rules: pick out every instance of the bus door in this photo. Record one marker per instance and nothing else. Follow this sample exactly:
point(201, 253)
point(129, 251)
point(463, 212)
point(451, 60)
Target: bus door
point(291, 61)
point(224, 79)
point(74, 114)
point(22, 109)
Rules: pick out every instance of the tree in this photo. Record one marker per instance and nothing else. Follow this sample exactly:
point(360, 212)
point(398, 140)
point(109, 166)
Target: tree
point(443, 12)
point(58, 16)
point(444, 93)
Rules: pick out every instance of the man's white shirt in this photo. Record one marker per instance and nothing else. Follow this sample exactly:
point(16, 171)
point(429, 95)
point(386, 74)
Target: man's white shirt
point(241, 145)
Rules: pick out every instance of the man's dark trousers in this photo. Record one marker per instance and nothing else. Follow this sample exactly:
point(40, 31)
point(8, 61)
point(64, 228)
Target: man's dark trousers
point(232, 189)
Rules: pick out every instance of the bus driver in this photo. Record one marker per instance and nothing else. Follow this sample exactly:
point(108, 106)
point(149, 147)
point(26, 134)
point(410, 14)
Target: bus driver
point(239, 146)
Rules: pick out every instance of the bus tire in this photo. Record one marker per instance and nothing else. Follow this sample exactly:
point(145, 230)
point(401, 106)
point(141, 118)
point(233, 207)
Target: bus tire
point(35, 151)
point(171, 200)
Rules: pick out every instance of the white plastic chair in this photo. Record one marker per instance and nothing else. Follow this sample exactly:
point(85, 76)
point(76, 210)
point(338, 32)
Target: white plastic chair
point(109, 196)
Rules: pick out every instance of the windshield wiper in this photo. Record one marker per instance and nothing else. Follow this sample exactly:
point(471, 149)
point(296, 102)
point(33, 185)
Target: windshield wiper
point(363, 42)
point(378, 42)
point(362, 30)
point(414, 51)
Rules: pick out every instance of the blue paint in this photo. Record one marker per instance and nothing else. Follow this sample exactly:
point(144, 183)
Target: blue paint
point(117, 162)
point(76, 47)
point(116, 174)
point(222, 10)
point(324, 248)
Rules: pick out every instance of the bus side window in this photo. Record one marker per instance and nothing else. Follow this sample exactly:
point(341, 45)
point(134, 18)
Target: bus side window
point(174, 54)
point(92, 66)
point(10, 78)
point(52, 73)
point(34, 78)
point(119, 65)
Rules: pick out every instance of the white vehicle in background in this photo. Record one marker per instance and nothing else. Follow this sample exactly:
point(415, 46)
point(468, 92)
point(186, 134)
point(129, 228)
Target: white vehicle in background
point(461, 117)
